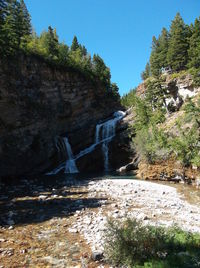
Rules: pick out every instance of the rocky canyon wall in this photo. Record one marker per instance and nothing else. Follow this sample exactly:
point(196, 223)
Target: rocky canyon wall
point(38, 103)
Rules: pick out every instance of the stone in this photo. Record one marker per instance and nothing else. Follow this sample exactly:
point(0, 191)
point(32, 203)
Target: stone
point(42, 197)
point(41, 98)
point(97, 255)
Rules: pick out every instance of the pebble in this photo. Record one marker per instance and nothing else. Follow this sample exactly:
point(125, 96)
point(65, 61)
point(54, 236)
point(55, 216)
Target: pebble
point(97, 255)
point(154, 200)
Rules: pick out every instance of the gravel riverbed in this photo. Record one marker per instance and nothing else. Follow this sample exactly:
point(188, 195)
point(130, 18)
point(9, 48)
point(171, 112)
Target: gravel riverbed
point(61, 223)
point(153, 203)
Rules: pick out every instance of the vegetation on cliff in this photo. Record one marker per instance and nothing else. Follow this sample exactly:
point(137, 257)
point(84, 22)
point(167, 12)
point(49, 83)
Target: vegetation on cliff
point(178, 48)
point(155, 140)
point(17, 35)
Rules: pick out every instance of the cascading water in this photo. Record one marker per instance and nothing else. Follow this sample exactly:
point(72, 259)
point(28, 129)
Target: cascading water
point(70, 166)
point(104, 134)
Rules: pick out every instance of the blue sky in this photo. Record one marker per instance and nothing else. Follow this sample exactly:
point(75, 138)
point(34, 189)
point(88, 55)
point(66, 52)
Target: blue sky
point(120, 31)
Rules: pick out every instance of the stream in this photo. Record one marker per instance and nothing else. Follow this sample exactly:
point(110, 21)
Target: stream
point(59, 221)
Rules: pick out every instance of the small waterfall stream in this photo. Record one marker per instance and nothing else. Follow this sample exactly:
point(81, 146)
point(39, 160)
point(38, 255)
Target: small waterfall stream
point(70, 166)
point(104, 134)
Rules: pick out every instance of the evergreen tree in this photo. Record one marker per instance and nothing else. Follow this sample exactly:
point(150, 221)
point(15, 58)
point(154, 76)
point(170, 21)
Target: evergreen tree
point(101, 70)
point(194, 49)
point(83, 50)
point(8, 31)
point(115, 91)
point(63, 53)
point(147, 72)
point(52, 43)
point(154, 60)
point(75, 44)
point(158, 58)
point(177, 55)
point(23, 22)
point(163, 48)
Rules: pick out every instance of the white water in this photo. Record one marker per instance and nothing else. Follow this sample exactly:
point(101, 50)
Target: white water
point(104, 134)
point(70, 166)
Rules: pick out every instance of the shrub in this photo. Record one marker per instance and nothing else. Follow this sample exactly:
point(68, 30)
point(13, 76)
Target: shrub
point(151, 144)
point(135, 245)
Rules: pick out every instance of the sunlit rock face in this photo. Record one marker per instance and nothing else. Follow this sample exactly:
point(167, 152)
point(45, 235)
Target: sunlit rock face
point(39, 103)
point(178, 89)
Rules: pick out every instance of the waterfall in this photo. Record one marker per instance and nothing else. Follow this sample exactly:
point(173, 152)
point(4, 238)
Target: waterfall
point(103, 135)
point(70, 166)
point(63, 146)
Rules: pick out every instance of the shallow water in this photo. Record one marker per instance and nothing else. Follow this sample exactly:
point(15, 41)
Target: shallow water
point(35, 215)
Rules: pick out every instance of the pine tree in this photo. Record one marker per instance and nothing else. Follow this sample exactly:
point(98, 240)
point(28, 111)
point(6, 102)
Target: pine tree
point(147, 72)
point(163, 47)
point(158, 58)
point(75, 44)
point(9, 34)
point(177, 55)
point(63, 53)
point(194, 48)
point(83, 50)
point(52, 43)
point(23, 23)
point(154, 60)
point(101, 70)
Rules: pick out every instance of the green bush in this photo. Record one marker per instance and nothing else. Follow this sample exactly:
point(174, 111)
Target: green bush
point(134, 245)
point(151, 144)
point(196, 76)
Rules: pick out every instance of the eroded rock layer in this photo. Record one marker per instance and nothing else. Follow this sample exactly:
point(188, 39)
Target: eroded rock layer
point(38, 103)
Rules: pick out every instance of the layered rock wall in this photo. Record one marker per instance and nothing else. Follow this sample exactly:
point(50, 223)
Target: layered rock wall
point(38, 103)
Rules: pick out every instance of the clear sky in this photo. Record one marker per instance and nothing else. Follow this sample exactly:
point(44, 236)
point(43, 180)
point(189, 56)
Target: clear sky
point(120, 31)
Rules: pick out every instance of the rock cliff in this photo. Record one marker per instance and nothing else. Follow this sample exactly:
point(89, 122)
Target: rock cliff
point(38, 103)
point(178, 89)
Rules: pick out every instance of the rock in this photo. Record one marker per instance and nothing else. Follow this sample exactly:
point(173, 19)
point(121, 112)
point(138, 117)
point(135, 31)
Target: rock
point(73, 230)
point(128, 167)
point(42, 197)
point(41, 97)
point(97, 255)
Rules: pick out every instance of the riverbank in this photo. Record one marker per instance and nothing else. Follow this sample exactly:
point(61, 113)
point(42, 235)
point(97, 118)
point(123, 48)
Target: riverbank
point(61, 223)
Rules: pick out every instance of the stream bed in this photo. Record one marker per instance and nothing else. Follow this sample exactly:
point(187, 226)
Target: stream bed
point(60, 221)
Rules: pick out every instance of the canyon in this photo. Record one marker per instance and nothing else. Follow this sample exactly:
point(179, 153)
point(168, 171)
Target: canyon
point(40, 105)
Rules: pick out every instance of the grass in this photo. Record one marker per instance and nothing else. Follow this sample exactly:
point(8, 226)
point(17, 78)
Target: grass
point(132, 244)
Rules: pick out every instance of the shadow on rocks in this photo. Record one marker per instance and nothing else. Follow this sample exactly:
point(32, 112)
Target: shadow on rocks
point(34, 201)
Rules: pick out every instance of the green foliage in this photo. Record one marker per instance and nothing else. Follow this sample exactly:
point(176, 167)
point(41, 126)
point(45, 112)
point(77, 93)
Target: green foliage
point(51, 42)
point(15, 26)
point(158, 58)
point(194, 46)
point(128, 100)
point(16, 36)
point(177, 54)
point(101, 70)
point(186, 145)
point(155, 93)
point(75, 44)
point(179, 49)
point(151, 144)
point(147, 72)
point(196, 76)
point(132, 244)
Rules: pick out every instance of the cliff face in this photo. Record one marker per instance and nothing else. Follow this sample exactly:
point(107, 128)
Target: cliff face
point(178, 89)
point(39, 103)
